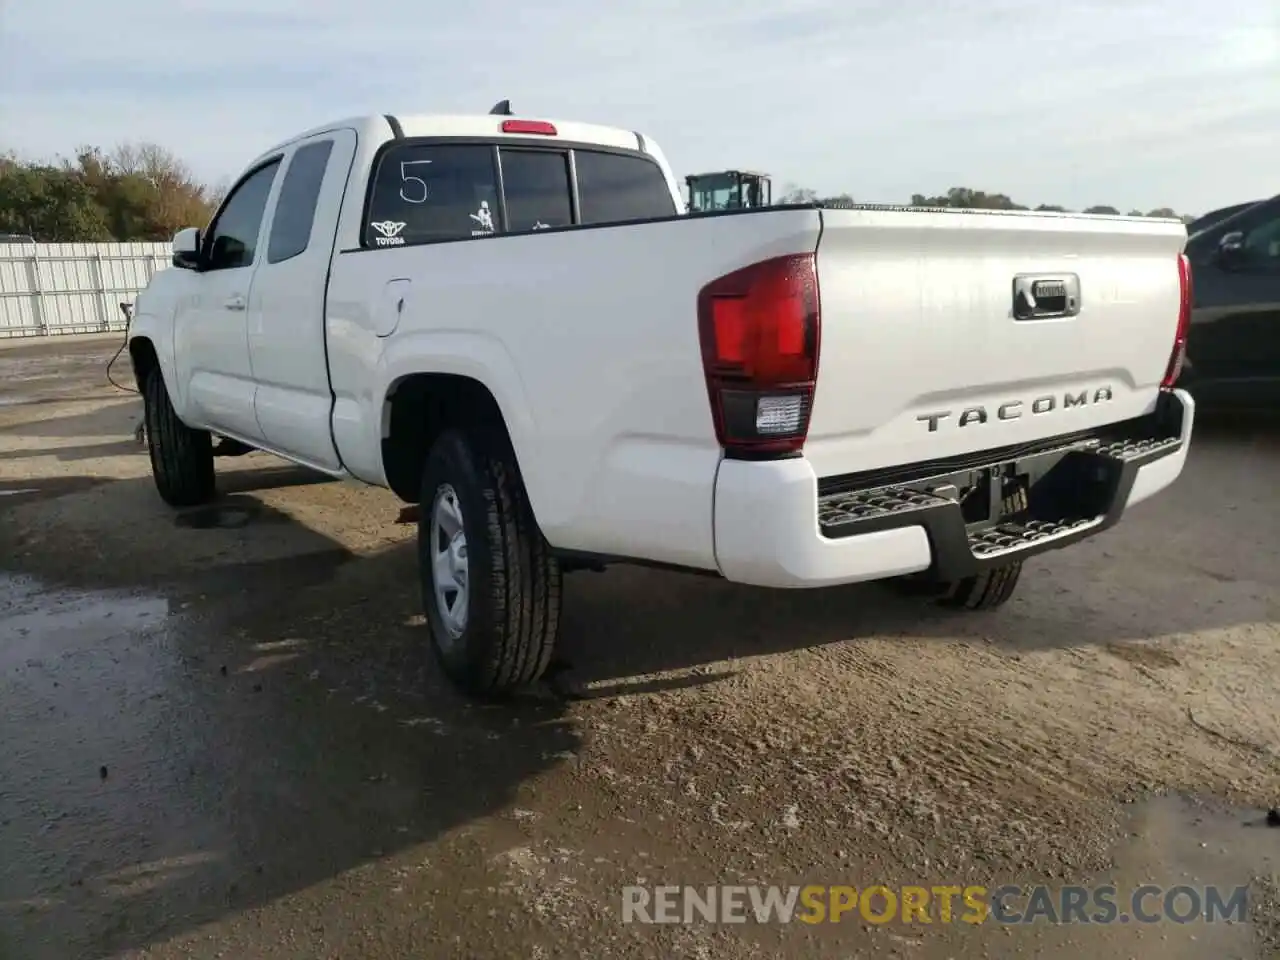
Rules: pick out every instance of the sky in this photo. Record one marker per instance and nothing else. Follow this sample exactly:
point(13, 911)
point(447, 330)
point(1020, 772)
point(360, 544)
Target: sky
point(1132, 103)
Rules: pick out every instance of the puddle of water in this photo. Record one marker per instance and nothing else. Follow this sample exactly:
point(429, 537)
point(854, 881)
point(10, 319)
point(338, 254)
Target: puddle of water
point(91, 684)
point(37, 622)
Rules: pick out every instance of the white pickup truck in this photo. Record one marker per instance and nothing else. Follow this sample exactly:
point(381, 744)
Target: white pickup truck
point(511, 323)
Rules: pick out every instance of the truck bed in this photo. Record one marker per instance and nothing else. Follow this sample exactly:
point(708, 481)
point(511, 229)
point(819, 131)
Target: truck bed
point(591, 343)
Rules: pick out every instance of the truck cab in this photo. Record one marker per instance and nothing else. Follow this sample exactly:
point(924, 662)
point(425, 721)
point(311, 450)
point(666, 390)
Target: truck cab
point(728, 190)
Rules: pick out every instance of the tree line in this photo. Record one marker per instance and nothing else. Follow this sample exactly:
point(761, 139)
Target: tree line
point(967, 198)
point(142, 191)
point(138, 191)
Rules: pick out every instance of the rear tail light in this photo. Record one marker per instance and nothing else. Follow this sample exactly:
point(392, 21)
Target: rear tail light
point(1179, 354)
point(759, 328)
point(540, 127)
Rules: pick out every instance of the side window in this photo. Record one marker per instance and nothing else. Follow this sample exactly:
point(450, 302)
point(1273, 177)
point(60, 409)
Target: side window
point(426, 192)
point(535, 184)
point(296, 206)
point(233, 239)
point(1262, 243)
point(613, 187)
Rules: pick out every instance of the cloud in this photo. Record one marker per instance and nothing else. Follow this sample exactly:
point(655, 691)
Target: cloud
point(1129, 102)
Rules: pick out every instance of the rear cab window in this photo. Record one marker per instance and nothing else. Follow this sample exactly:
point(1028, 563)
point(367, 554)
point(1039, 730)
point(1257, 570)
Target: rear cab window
point(614, 187)
point(535, 186)
point(425, 193)
point(431, 191)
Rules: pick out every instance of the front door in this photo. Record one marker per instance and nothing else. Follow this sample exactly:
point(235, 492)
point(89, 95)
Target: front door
point(210, 326)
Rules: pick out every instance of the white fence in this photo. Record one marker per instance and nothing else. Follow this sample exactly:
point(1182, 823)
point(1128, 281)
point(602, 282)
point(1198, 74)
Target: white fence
point(48, 288)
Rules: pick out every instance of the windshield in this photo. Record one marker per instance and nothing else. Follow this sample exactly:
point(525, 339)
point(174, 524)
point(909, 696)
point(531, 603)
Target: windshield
point(714, 192)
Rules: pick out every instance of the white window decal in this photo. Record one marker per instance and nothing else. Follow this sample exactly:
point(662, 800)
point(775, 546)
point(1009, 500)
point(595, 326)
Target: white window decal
point(484, 219)
point(390, 230)
point(419, 193)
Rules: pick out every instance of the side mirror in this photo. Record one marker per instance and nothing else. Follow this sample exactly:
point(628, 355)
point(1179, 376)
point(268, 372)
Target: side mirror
point(1230, 248)
point(186, 248)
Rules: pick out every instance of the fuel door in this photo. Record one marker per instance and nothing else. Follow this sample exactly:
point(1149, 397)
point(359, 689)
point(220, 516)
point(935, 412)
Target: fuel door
point(391, 307)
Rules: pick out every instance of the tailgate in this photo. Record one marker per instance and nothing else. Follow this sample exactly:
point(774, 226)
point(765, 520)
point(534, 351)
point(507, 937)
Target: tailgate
point(923, 354)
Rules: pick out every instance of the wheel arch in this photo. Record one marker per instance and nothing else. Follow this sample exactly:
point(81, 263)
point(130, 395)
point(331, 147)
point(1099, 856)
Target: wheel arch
point(151, 346)
point(418, 407)
point(145, 358)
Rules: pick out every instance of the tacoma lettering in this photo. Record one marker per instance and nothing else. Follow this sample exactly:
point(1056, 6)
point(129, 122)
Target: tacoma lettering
point(1012, 409)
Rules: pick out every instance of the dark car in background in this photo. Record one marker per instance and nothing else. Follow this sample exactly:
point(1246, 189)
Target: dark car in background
point(1233, 348)
point(1207, 220)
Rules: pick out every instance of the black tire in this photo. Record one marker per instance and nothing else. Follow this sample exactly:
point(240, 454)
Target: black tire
point(984, 591)
point(512, 601)
point(181, 458)
point(992, 588)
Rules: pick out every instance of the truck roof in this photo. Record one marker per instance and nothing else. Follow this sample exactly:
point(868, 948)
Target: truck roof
point(721, 173)
point(386, 126)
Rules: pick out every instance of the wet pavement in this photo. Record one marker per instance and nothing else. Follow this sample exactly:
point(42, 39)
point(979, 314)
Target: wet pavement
point(166, 777)
point(221, 734)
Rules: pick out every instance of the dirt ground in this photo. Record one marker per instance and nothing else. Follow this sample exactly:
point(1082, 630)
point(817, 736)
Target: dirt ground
point(222, 734)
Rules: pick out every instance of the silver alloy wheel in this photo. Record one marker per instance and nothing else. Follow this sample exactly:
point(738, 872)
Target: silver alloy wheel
point(449, 560)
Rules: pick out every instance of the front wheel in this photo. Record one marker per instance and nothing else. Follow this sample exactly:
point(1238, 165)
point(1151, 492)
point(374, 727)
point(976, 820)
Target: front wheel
point(181, 458)
point(490, 586)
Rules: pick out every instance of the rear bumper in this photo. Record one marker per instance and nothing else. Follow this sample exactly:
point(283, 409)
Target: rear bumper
point(777, 526)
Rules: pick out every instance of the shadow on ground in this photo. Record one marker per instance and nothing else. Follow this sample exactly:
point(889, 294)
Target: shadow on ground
point(194, 747)
point(95, 418)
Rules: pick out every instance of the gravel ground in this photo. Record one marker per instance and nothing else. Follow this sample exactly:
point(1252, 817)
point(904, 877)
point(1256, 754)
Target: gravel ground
point(221, 734)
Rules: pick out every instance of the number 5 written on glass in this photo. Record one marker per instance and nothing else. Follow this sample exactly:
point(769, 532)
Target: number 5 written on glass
point(416, 194)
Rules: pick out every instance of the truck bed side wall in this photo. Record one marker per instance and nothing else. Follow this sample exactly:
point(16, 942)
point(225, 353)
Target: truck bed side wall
point(588, 340)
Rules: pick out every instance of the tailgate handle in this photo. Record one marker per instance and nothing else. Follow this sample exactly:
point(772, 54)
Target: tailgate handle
point(1039, 296)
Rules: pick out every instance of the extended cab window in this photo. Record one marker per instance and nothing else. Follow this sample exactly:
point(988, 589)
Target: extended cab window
point(613, 187)
point(233, 239)
point(535, 184)
point(296, 206)
point(426, 192)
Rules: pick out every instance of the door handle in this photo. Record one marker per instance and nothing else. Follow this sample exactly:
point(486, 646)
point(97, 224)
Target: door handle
point(235, 303)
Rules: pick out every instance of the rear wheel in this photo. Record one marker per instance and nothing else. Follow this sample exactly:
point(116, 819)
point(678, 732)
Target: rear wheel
point(490, 586)
point(983, 591)
point(992, 587)
point(181, 458)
